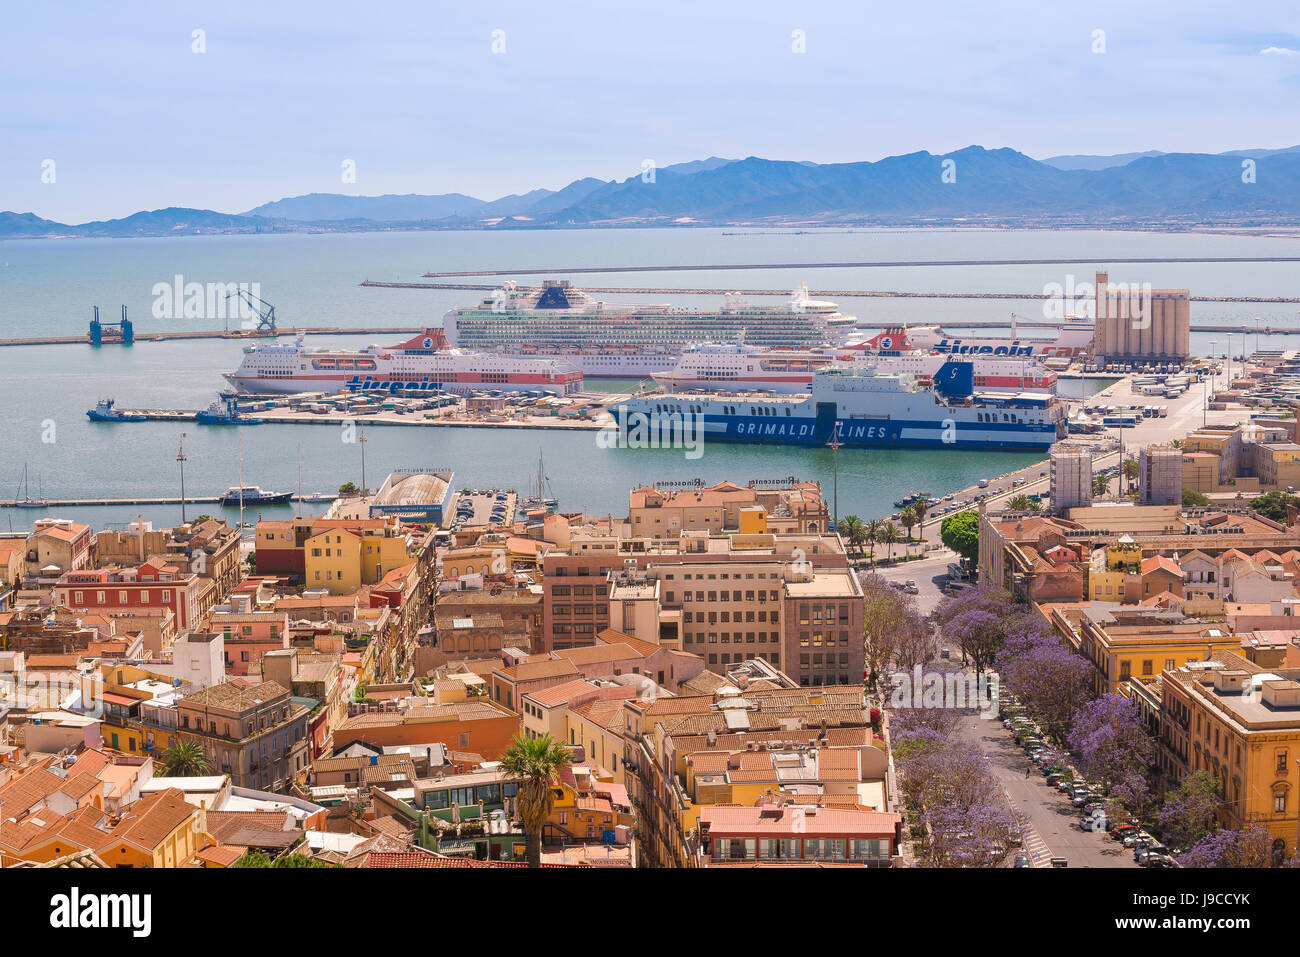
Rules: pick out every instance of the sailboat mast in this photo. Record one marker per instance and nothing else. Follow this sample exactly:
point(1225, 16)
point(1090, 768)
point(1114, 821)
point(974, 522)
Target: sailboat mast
point(241, 485)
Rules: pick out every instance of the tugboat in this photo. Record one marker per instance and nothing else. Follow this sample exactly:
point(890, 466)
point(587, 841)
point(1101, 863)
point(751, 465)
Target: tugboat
point(105, 412)
point(249, 495)
point(215, 414)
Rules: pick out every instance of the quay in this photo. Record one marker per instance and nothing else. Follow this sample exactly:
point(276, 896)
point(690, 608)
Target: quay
point(145, 500)
point(865, 265)
point(832, 294)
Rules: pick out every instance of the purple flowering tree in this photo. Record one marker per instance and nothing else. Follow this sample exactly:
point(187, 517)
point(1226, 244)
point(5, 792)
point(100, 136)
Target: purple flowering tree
point(979, 620)
point(1190, 811)
point(1048, 679)
point(1114, 750)
point(957, 803)
point(1250, 847)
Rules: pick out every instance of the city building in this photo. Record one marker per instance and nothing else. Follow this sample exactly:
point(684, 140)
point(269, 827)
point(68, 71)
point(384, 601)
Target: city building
point(253, 731)
point(778, 831)
point(1070, 476)
point(1160, 475)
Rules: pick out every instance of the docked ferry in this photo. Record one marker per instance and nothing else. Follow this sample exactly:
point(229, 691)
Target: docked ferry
point(1074, 339)
point(613, 340)
point(861, 407)
point(739, 367)
point(425, 361)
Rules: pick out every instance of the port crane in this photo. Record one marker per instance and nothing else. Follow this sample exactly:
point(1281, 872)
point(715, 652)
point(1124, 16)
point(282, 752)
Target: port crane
point(265, 317)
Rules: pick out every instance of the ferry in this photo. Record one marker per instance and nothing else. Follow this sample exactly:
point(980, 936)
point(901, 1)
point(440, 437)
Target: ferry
point(739, 367)
point(423, 362)
point(612, 340)
point(1074, 339)
point(861, 407)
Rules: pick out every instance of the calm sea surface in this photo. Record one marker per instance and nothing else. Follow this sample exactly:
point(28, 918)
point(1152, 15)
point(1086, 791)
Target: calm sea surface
point(48, 288)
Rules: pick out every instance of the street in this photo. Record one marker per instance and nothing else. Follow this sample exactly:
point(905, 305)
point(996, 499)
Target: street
point(1051, 821)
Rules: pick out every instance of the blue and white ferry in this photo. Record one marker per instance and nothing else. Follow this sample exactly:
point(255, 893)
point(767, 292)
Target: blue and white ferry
point(863, 408)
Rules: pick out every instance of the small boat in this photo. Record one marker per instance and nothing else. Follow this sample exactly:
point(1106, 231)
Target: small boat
point(215, 414)
point(539, 500)
point(253, 495)
point(105, 412)
point(27, 501)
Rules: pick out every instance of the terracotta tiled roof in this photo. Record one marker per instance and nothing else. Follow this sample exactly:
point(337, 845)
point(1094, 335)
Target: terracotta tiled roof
point(151, 819)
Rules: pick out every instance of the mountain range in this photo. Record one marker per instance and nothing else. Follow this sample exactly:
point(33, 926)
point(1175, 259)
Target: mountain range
point(971, 186)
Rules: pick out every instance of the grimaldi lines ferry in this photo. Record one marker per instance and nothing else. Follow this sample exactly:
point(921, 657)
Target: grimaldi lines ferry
point(862, 407)
point(739, 367)
point(630, 341)
point(422, 362)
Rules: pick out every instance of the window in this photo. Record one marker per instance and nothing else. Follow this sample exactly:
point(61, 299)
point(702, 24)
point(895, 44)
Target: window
point(1281, 762)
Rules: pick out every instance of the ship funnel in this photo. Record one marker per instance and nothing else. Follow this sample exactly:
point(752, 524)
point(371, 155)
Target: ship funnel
point(955, 379)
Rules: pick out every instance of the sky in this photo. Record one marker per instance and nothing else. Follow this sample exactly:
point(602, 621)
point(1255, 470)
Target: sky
point(107, 109)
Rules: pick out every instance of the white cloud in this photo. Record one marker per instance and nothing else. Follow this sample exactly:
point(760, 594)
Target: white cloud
point(1278, 51)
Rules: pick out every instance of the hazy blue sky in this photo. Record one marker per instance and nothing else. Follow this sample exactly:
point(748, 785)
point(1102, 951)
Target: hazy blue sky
point(414, 94)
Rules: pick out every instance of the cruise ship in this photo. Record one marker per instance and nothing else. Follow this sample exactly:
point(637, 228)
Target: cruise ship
point(738, 367)
point(1074, 339)
point(631, 341)
point(862, 407)
point(425, 361)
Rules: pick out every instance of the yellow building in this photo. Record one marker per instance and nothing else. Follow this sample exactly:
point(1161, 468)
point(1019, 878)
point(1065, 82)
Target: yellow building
point(341, 560)
point(1113, 568)
point(1244, 728)
point(1124, 643)
point(332, 560)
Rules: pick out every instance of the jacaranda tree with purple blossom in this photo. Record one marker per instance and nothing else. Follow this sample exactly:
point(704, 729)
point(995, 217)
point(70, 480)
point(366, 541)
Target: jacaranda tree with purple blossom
point(1250, 847)
point(1113, 750)
point(954, 799)
point(1190, 811)
point(1048, 679)
point(978, 621)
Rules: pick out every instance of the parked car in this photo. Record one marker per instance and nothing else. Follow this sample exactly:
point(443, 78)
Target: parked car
point(1141, 852)
point(1060, 862)
point(1121, 831)
point(1159, 860)
point(1021, 861)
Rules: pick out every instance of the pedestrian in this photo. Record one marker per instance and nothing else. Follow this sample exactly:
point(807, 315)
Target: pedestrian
point(1028, 770)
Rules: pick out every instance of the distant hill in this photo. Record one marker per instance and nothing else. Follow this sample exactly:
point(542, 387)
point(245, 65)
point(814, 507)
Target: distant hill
point(1097, 162)
point(326, 207)
point(991, 186)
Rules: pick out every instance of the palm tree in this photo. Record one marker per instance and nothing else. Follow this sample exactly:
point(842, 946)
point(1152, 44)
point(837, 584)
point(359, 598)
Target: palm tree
point(535, 763)
point(871, 535)
point(1023, 503)
point(908, 517)
point(921, 508)
point(851, 528)
point(185, 759)
point(1100, 486)
point(888, 536)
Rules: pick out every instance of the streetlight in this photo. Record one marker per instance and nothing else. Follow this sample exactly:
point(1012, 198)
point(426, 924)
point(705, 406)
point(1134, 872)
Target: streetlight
point(362, 440)
point(835, 445)
point(181, 457)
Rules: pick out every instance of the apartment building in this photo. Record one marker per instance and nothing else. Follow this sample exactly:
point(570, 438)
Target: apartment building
point(149, 588)
point(251, 730)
